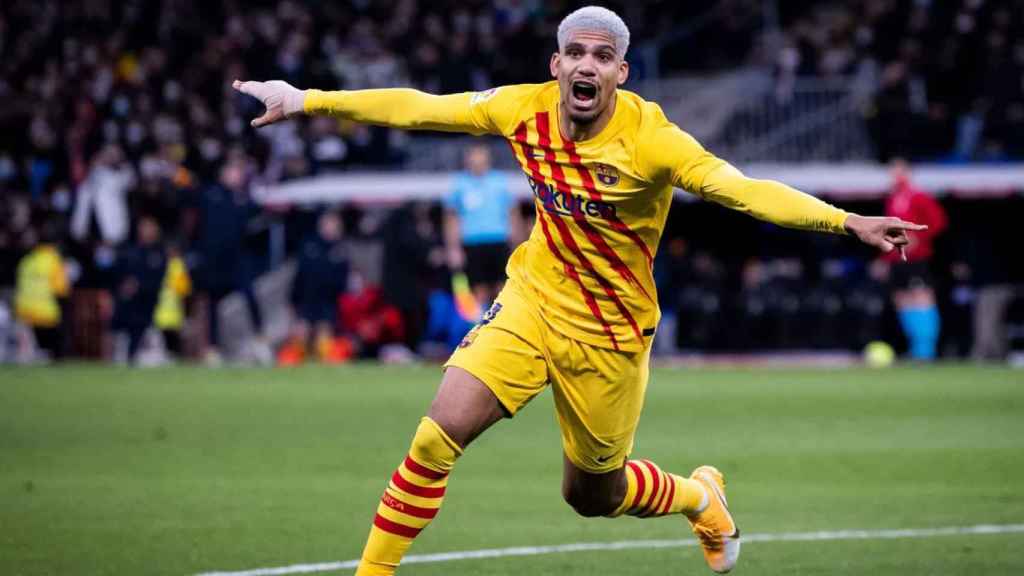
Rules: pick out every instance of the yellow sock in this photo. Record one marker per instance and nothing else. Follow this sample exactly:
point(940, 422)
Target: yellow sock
point(651, 492)
point(411, 500)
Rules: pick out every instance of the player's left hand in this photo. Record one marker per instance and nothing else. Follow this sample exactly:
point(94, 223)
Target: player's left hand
point(885, 233)
point(281, 99)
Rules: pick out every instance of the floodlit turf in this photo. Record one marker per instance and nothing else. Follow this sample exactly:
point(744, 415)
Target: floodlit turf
point(179, 471)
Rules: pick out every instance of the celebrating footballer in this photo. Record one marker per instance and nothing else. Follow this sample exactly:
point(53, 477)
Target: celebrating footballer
point(579, 309)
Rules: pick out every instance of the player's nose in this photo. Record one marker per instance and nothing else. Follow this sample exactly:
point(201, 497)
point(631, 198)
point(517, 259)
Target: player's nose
point(587, 67)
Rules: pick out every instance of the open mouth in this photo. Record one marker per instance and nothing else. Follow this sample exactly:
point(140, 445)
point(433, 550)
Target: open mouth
point(584, 92)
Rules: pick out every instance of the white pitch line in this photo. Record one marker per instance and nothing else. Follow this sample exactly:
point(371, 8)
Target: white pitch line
point(634, 544)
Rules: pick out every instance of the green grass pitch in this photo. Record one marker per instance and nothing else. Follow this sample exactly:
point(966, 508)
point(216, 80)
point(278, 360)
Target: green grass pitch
point(184, 470)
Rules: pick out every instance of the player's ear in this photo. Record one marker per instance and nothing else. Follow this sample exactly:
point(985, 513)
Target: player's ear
point(555, 58)
point(623, 72)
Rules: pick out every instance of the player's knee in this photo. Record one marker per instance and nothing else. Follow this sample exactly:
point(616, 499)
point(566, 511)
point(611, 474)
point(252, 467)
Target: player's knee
point(588, 503)
point(433, 448)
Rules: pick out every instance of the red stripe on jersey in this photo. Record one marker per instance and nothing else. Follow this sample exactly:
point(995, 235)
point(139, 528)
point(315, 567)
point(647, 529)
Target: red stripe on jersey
point(399, 505)
point(544, 130)
point(395, 528)
point(409, 487)
point(570, 270)
point(609, 290)
point(639, 475)
point(671, 494)
point(421, 470)
point(588, 184)
point(655, 474)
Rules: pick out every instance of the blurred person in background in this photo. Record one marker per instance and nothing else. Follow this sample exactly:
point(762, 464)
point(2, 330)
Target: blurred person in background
point(671, 274)
point(41, 281)
point(374, 323)
point(226, 210)
point(169, 316)
point(140, 271)
point(322, 277)
point(912, 291)
point(414, 267)
point(101, 203)
point(478, 216)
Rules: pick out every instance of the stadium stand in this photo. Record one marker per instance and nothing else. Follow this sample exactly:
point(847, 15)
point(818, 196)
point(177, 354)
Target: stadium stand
point(118, 110)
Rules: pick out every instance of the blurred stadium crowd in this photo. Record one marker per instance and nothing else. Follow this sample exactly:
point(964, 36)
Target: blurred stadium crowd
point(947, 75)
point(123, 146)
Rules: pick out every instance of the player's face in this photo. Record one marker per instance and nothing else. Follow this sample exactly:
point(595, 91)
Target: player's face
point(588, 70)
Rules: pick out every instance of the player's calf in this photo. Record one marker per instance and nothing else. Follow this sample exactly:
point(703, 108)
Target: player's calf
point(652, 492)
point(592, 494)
point(589, 503)
point(411, 500)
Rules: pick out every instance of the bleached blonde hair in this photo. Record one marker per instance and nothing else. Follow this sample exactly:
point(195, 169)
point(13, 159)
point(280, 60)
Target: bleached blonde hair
point(595, 18)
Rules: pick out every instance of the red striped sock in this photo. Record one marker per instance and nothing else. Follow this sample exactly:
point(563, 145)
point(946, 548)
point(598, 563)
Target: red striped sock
point(651, 492)
point(410, 501)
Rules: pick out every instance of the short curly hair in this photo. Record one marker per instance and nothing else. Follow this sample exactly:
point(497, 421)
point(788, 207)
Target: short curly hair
point(595, 18)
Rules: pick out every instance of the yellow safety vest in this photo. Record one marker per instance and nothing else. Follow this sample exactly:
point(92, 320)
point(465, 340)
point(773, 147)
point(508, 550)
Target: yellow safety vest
point(41, 280)
point(170, 308)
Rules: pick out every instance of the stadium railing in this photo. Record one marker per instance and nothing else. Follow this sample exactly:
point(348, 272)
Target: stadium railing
point(839, 181)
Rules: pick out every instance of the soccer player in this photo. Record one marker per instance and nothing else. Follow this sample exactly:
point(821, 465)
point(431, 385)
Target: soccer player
point(579, 307)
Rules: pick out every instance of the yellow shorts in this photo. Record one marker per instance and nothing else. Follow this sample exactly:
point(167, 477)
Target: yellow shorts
point(598, 392)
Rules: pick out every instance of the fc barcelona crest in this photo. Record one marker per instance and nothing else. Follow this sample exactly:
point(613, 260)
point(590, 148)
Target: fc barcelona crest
point(608, 175)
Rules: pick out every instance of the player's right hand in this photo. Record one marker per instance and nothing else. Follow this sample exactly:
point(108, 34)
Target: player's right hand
point(885, 233)
point(281, 99)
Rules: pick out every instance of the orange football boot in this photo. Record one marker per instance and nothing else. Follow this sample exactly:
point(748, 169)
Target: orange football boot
point(717, 531)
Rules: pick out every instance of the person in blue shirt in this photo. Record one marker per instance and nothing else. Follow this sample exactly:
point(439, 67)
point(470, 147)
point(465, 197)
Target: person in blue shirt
point(480, 215)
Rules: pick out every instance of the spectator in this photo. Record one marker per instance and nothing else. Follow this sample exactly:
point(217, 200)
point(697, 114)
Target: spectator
point(226, 211)
point(913, 294)
point(41, 281)
point(169, 316)
point(101, 201)
point(671, 275)
point(413, 265)
point(479, 212)
point(321, 279)
point(370, 319)
point(141, 268)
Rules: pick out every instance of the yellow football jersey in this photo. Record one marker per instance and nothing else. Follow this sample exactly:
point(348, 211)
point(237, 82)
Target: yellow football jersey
point(601, 203)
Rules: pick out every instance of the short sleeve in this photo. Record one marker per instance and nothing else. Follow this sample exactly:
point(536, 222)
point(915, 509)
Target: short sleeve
point(452, 199)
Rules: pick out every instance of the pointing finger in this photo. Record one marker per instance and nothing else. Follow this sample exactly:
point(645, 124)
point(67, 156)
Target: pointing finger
point(243, 87)
point(254, 89)
point(904, 225)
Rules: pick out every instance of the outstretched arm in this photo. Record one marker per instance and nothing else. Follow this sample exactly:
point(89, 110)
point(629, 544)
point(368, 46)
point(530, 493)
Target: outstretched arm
point(775, 202)
point(393, 107)
point(673, 154)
